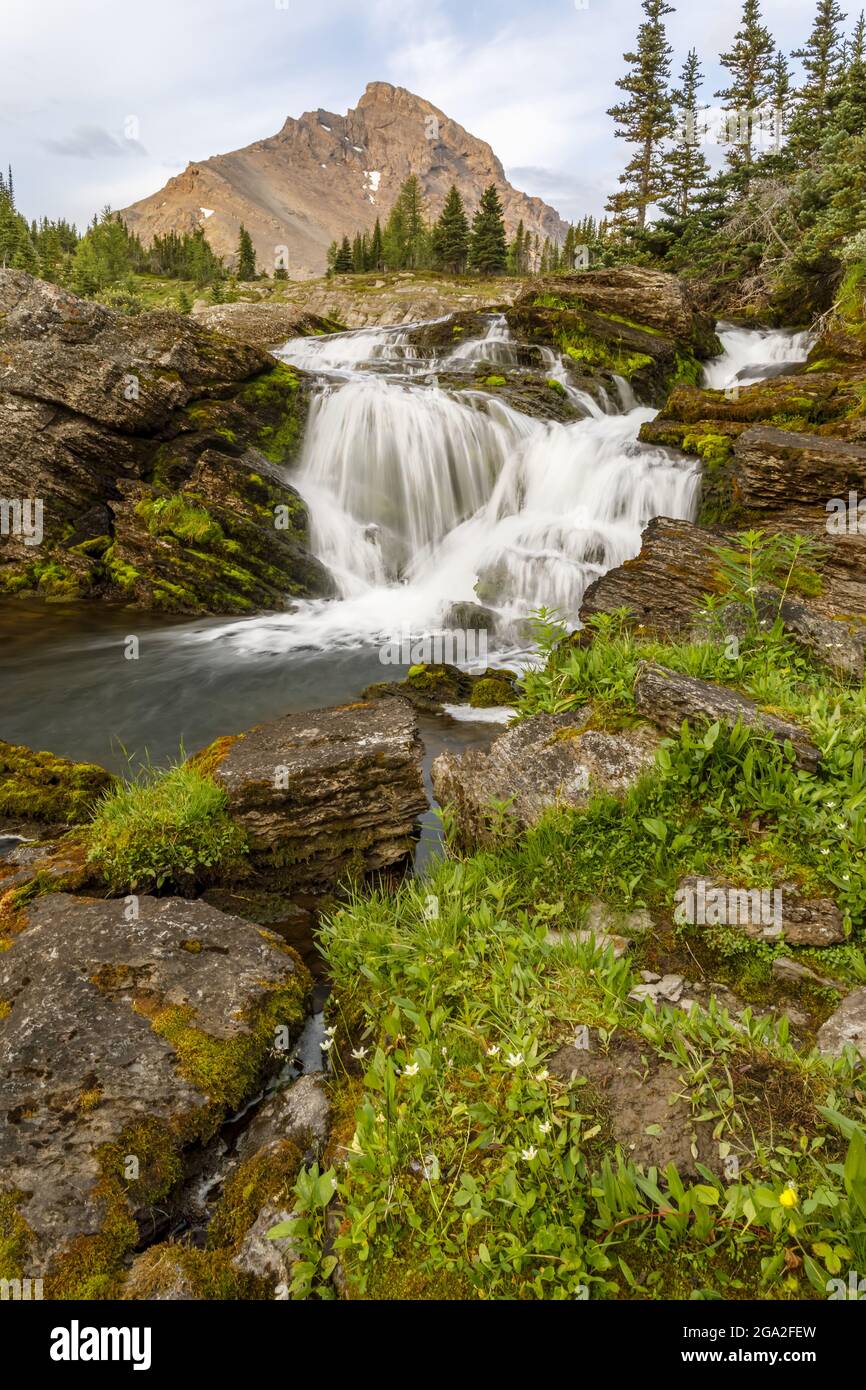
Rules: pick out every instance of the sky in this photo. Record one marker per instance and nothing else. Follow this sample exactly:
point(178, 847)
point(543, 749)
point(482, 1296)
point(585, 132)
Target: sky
point(102, 102)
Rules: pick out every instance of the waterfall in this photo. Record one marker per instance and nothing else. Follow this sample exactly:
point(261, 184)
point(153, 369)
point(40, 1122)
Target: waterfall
point(751, 355)
point(421, 496)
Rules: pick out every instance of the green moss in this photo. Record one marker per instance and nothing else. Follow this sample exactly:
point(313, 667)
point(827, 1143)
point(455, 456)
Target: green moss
point(15, 1237)
point(592, 353)
point(688, 370)
point(557, 386)
point(494, 381)
point(490, 693)
point(119, 572)
point(91, 1268)
point(266, 1177)
point(43, 787)
point(208, 1274)
point(185, 518)
point(227, 1070)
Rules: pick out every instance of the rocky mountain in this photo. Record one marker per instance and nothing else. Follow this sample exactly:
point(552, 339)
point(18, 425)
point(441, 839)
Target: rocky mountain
point(324, 175)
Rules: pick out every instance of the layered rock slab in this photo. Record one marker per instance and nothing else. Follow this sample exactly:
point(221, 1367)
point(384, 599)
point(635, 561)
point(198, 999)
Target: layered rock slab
point(327, 794)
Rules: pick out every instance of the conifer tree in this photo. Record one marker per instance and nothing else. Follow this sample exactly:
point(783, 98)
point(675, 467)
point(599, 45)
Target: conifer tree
point(821, 56)
point(686, 164)
point(246, 256)
point(646, 119)
point(451, 235)
point(489, 247)
point(343, 260)
point(750, 63)
point(376, 253)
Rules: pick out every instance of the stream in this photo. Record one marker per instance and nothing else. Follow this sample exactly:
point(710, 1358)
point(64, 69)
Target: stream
point(416, 493)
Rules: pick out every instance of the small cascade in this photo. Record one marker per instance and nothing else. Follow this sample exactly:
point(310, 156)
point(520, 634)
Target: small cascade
point(752, 355)
point(421, 497)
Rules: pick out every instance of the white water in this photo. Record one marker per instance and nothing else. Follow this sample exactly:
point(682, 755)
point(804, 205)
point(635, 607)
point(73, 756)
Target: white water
point(752, 354)
point(417, 494)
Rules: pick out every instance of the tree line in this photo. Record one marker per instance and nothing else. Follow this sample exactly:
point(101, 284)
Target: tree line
point(786, 209)
point(453, 244)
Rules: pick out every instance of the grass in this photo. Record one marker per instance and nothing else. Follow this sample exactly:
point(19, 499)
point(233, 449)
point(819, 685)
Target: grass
point(464, 1164)
point(163, 829)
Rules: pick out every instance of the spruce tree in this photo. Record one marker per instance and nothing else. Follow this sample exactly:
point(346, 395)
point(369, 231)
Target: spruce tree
point(451, 235)
point(646, 119)
point(687, 169)
point(821, 56)
point(489, 246)
point(246, 256)
point(376, 253)
point(750, 63)
point(343, 262)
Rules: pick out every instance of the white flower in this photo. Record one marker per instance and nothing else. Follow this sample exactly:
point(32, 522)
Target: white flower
point(412, 1070)
point(545, 1128)
point(542, 1075)
point(360, 1053)
point(515, 1059)
point(493, 1051)
point(331, 1031)
point(825, 851)
point(327, 1044)
point(530, 1153)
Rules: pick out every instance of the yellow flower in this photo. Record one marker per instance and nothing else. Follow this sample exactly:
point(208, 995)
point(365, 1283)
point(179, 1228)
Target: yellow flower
point(788, 1198)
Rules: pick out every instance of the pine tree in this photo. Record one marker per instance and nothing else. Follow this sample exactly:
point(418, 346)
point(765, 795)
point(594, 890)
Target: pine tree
point(780, 98)
point(750, 63)
point(646, 120)
point(343, 262)
point(376, 252)
point(358, 254)
point(821, 56)
point(246, 256)
point(451, 235)
point(489, 247)
point(686, 164)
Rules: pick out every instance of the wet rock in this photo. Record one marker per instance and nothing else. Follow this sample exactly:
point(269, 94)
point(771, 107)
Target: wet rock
point(544, 761)
point(123, 1039)
point(847, 1026)
point(666, 585)
point(428, 687)
point(668, 698)
point(326, 794)
point(130, 429)
point(300, 1112)
point(470, 617)
point(774, 468)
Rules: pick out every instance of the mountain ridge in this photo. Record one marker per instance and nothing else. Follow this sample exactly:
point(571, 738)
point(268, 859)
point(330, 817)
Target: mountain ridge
point(323, 175)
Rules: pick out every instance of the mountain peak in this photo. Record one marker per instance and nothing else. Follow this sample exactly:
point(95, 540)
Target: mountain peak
point(323, 176)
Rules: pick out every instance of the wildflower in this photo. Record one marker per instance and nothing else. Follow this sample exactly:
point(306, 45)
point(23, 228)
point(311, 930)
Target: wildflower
point(515, 1059)
point(788, 1198)
point(493, 1051)
point(360, 1053)
point(542, 1075)
point(327, 1044)
point(825, 851)
point(530, 1153)
point(412, 1070)
point(331, 1031)
point(544, 1128)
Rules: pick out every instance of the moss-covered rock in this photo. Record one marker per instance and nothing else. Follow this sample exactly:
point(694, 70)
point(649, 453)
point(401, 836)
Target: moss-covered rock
point(38, 786)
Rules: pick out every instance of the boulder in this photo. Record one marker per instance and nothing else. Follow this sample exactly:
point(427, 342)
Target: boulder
point(129, 1030)
point(428, 687)
point(545, 761)
point(325, 795)
point(668, 698)
point(41, 787)
point(666, 584)
point(774, 468)
point(846, 1027)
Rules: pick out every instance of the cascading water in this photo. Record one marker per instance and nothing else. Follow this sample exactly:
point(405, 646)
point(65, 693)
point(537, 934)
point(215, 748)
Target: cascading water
point(751, 355)
point(422, 495)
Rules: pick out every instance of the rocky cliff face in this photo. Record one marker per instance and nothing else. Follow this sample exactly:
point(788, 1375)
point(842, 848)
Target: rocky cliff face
point(151, 448)
point(323, 175)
